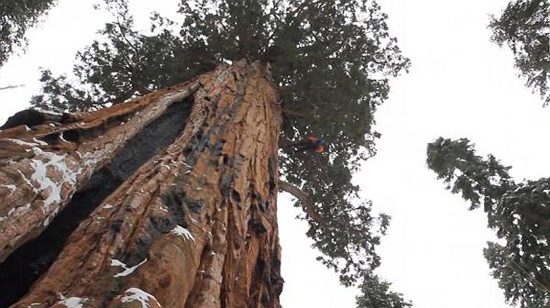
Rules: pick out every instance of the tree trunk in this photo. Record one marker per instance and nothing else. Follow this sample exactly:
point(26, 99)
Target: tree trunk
point(173, 197)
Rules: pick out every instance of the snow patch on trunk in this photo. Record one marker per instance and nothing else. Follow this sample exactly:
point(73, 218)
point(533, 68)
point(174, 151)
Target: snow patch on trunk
point(43, 165)
point(24, 143)
point(73, 302)
point(179, 230)
point(127, 270)
point(11, 187)
point(135, 294)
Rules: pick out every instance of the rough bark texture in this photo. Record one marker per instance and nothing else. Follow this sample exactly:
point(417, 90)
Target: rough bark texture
point(194, 226)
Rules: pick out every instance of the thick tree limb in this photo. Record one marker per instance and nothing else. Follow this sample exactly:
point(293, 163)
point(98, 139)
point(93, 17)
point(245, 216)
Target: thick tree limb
point(307, 204)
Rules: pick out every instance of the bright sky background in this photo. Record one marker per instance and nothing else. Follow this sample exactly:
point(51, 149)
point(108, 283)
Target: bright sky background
point(460, 85)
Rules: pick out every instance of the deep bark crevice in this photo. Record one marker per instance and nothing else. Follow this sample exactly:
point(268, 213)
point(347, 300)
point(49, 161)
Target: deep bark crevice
point(26, 264)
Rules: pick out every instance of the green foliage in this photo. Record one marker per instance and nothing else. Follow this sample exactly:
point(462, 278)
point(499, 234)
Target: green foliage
point(331, 61)
point(519, 214)
point(525, 27)
point(125, 65)
point(518, 284)
point(16, 16)
point(59, 92)
point(376, 294)
point(477, 179)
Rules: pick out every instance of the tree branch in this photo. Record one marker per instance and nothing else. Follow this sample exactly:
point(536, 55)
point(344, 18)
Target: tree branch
point(307, 204)
point(293, 112)
point(283, 143)
point(11, 87)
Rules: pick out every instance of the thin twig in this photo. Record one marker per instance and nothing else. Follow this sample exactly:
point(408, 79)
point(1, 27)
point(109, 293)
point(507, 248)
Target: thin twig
point(11, 87)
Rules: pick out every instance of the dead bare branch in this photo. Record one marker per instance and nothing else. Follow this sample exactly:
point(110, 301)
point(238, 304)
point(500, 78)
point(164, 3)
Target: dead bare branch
point(307, 204)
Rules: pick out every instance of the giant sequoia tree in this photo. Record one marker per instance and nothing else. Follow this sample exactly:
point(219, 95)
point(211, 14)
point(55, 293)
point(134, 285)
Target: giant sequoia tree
point(518, 212)
point(525, 27)
point(207, 191)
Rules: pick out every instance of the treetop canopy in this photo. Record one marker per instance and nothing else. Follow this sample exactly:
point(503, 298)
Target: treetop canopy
point(331, 61)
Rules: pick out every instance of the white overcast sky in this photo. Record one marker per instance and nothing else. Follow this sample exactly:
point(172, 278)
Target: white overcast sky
point(460, 85)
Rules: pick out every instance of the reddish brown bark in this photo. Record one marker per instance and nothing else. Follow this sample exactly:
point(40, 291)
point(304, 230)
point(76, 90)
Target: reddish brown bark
point(195, 226)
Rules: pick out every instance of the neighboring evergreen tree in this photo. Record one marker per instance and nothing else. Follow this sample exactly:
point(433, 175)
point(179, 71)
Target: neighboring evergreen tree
point(376, 293)
point(331, 61)
point(16, 17)
point(525, 27)
point(518, 212)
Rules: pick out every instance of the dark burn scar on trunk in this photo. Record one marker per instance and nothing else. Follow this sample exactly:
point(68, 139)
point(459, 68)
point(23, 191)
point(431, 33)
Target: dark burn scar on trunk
point(271, 169)
point(26, 264)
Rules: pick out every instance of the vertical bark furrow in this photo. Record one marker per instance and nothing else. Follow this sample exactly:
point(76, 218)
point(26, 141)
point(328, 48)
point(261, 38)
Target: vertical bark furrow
point(209, 290)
